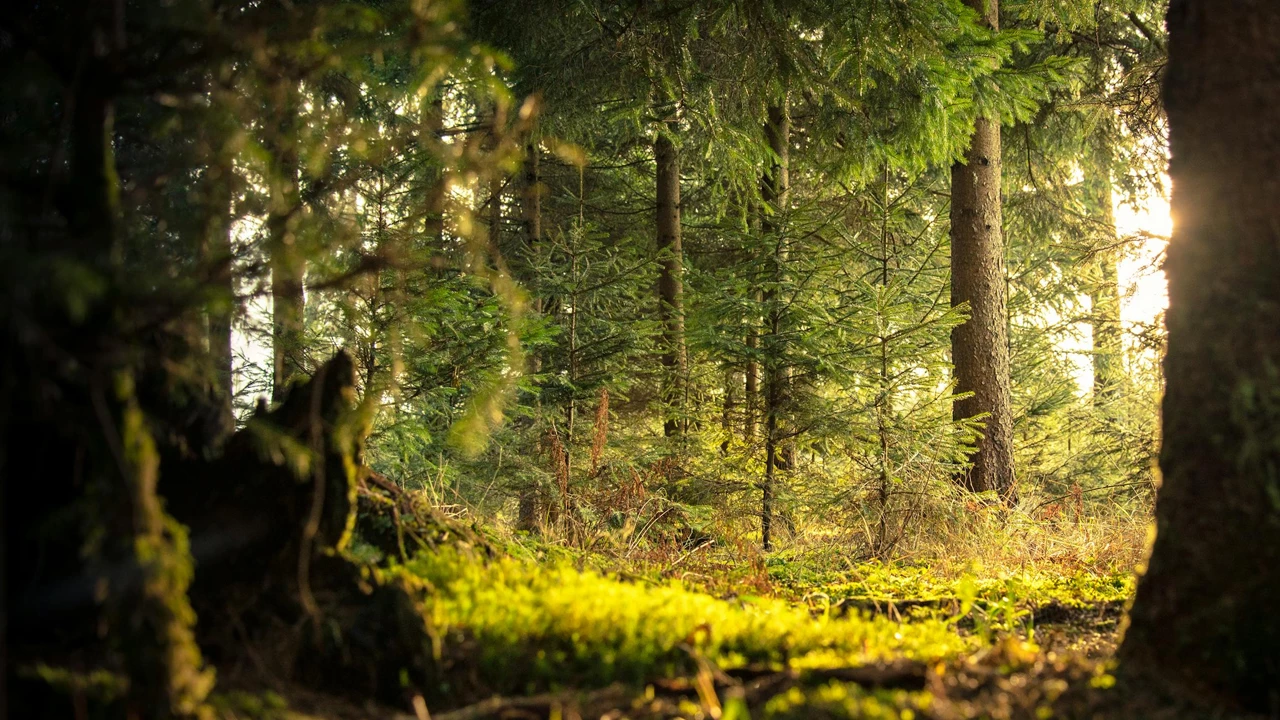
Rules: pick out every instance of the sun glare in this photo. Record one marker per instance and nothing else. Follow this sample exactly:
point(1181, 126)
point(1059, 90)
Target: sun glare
point(1144, 291)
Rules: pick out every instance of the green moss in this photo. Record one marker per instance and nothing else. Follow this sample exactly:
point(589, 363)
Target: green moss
point(98, 686)
point(250, 706)
point(847, 700)
point(525, 627)
point(1022, 592)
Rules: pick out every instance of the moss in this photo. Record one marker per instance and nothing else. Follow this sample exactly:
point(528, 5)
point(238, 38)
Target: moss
point(520, 627)
point(847, 700)
point(1013, 596)
point(99, 686)
point(169, 673)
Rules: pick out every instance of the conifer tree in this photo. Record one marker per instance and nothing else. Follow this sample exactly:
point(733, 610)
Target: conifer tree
point(288, 263)
point(979, 347)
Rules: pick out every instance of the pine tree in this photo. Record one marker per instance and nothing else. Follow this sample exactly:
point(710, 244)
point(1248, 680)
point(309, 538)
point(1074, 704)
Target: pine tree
point(979, 347)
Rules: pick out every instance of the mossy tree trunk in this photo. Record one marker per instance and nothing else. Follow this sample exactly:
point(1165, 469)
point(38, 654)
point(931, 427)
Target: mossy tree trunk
point(980, 346)
point(1204, 618)
point(123, 565)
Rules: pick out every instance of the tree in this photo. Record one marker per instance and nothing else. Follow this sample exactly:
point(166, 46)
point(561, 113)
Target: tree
point(1204, 616)
point(775, 190)
point(219, 183)
point(288, 263)
point(980, 346)
point(670, 278)
point(115, 221)
point(1104, 293)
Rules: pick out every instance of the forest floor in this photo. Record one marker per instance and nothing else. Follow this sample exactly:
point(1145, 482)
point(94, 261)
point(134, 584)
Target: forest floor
point(717, 632)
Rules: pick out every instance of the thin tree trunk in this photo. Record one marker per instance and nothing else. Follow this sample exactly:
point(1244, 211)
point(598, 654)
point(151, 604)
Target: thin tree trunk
point(217, 254)
point(92, 180)
point(1108, 346)
point(980, 346)
point(1204, 621)
point(884, 401)
point(495, 211)
point(531, 209)
point(288, 265)
point(728, 408)
point(1104, 295)
point(433, 127)
point(670, 281)
point(497, 180)
point(751, 391)
point(774, 191)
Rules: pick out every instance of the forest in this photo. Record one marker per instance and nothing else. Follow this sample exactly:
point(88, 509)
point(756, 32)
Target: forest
point(573, 359)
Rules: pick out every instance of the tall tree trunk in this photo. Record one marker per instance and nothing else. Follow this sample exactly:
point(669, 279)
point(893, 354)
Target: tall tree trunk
point(1104, 295)
point(751, 390)
point(728, 407)
point(1204, 619)
point(288, 265)
point(495, 211)
point(980, 346)
point(216, 249)
point(433, 213)
point(670, 280)
point(531, 210)
point(1108, 344)
point(884, 398)
point(774, 191)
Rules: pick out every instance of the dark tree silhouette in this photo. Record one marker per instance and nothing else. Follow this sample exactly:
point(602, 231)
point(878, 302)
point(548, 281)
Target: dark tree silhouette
point(1204, 619)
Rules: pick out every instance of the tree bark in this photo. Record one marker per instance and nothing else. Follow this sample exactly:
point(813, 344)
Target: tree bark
point(670, 281)
point(1204, 619)
point(774, 191)
point(980, 346)
point(288, 264)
